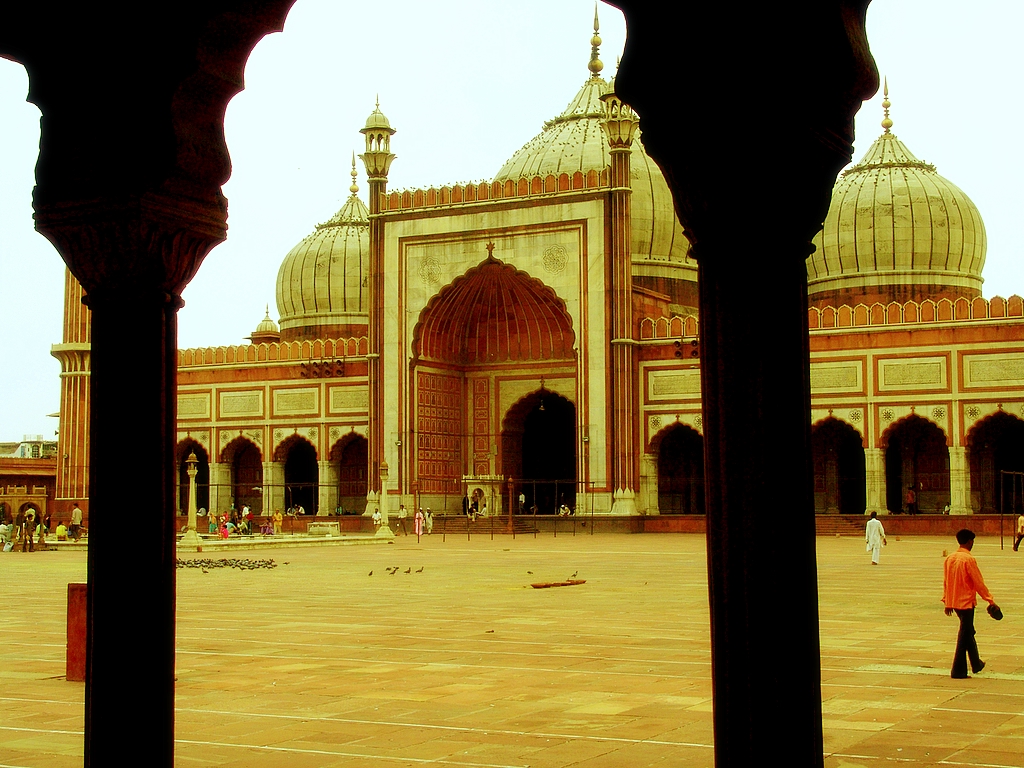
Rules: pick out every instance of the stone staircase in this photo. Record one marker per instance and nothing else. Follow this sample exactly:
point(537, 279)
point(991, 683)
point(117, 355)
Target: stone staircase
point(840, 525)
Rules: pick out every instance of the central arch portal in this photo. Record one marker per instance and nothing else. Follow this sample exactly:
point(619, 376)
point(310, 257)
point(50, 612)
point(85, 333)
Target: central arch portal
point(538, 441)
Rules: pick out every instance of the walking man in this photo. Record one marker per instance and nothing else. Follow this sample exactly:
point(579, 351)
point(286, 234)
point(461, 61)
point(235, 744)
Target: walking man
point(875, 537)
point(1020, 531)
point(961, 584)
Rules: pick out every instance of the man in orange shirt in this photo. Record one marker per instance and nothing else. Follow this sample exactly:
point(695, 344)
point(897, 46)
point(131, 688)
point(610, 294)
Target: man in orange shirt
point(961, 584)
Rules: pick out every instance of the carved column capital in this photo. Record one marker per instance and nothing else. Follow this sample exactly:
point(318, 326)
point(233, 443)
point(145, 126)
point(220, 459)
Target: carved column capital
point(146, 243)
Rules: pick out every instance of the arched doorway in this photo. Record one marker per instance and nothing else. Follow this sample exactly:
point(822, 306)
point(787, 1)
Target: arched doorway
point(916, 456)
point(184, 449)
point(301, 474)
point(838, 453)
point(680, 470)
point(996, 444)
point(538, 447)
point(246, 464)
point(349, 459)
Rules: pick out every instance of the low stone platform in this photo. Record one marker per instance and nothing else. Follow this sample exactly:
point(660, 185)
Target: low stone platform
point(462, 663)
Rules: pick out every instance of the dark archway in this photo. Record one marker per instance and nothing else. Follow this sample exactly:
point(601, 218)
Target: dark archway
point(838, 452)
point(916, 456)
point(538, 447)
point(349, 457)
point(181, 454)
point(246, 474)
point(995, 444)
point(680, 471)
point(301, 474)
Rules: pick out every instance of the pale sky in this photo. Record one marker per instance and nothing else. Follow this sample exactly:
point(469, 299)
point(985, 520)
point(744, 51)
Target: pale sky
point(466, 83)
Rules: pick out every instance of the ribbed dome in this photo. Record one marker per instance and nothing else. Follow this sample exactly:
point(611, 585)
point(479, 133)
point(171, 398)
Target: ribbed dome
point(322, 287)
point(896, 230)
point(575, 141)
point(266, 331)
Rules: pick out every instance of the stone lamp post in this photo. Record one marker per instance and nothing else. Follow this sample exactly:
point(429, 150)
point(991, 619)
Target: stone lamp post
point(190, 541)
point(384, 532)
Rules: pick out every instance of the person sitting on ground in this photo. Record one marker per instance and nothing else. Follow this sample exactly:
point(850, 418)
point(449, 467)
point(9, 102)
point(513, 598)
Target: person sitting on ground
point(62, 531)
point(377, 519)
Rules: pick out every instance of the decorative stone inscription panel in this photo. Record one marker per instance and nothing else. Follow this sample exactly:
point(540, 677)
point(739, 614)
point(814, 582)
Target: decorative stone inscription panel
point(289, 401)
point(248, 403)
point(919, 373)
point(350, 398)
point(668, 385)
point(834, 378)
point(194, 406)
point(994, 370)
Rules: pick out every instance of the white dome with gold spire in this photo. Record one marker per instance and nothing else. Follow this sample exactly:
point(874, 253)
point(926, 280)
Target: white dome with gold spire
point(896, 230)
point(576, 141)
point(322, 286)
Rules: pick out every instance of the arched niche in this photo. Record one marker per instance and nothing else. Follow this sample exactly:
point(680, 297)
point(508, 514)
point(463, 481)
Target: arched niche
point(996, 445)
point(916, 456)
point(538, 450)
point(837, 449)
point(494, 314)
point(680, 458)
point(182, 451)
point(301, 473)
point(246, 462)
point(349, 462)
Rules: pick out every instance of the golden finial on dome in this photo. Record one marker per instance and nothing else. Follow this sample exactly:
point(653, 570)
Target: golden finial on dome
point(886, 122)
point(355, 187)
point(595, 66)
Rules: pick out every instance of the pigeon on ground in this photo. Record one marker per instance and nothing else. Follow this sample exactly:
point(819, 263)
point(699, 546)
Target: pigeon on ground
point(408, 570)
point(370, 573)
point(420, 569)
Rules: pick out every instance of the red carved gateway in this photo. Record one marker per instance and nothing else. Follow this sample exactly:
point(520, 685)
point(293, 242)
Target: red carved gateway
point(439, 429)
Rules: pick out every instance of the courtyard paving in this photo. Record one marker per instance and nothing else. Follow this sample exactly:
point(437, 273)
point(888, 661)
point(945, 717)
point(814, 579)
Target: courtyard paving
point(318, 663)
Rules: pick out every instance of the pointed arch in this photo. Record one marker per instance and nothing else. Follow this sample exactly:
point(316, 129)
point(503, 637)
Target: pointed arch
point(995, 444)
point(538, 447)
point(916, 458)
point(349, 458)
point(245, 461)
point(182, 451)
point(680, 457)
point(837, 450)
point(494, 313)
point(301, 473)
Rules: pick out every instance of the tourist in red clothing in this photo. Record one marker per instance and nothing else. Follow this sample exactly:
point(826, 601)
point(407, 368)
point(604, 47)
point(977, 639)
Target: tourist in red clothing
point(960, 587)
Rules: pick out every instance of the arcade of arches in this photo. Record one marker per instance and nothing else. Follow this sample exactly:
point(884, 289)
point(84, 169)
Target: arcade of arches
point(294, 478)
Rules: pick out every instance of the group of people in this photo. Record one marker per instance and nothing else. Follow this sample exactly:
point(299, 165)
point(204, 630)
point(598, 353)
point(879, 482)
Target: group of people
point(29, 528)
point(423, 520)
point(961, 584)
point(241, 522)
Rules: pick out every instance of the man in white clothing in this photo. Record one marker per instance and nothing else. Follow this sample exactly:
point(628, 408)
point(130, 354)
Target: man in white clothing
point(875, 537)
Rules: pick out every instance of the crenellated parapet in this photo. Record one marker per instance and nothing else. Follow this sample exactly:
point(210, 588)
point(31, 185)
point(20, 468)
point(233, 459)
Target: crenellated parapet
point(862, 315)
point(675, 327)
point(910, 312)
point(294, 351)
point(459, 194)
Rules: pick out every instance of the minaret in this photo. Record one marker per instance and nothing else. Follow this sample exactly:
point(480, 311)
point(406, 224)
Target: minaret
point(75, 399)
point(620, 126)
point(377, 159)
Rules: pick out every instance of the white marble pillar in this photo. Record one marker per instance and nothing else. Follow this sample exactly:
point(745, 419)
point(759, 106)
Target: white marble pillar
point(273, 487)
point(648, 500)
point(959, 482)
point(328, 501)
point(220, 488)
point(874, 481)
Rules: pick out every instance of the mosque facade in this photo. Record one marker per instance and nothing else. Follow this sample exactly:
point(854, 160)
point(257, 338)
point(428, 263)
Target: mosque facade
point(537, 335)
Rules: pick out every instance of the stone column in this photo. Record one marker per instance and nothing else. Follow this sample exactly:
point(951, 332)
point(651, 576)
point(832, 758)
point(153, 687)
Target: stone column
point(754, 345)
point(273, 487)
point(874, 481)
point(959, 482)
point(620, 125)
point(220, 488)
point(133, 256)
point(649, 484)
point(75, 388)
point(328, 488)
